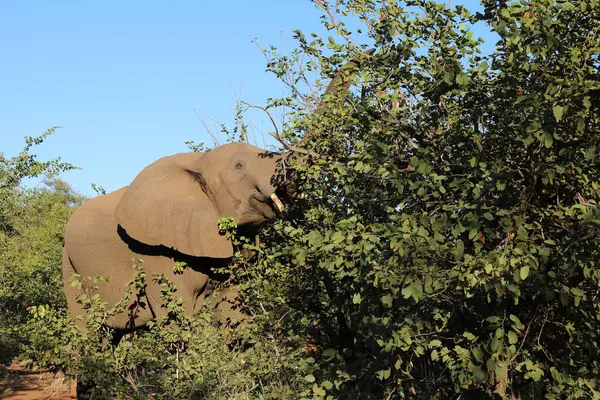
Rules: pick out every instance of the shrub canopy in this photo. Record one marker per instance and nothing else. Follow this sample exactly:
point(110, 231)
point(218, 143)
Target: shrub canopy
point(450, 243)
point(31, 232)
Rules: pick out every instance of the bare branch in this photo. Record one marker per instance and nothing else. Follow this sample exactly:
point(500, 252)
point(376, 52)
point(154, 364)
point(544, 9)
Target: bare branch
point(405, 126)
point(238, 121)
point(301, 71)
point(285, 82)
point(266, 112)
point(290, 147)
point(212, 135)
point(276, 134)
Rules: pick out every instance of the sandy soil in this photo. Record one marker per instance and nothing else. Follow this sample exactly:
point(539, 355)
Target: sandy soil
point(23, 384)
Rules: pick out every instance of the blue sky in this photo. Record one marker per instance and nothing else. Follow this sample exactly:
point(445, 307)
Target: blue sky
point(123, 77)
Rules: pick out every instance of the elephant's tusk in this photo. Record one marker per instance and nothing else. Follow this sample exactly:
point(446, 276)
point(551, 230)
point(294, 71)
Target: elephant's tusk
point(277, 202)
point(299, 196)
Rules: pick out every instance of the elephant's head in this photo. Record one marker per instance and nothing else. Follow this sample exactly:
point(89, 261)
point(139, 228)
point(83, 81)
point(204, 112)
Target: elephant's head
point(177, 201)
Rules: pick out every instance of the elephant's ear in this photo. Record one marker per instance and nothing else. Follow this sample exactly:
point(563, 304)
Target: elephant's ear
point(167, 204)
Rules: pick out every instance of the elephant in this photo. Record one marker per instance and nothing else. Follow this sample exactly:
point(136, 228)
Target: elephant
point(169, 214)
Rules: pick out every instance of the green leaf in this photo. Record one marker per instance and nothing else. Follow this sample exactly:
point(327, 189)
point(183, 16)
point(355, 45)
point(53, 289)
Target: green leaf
point(512, 337)
point(516, 321)
point(478, 374)
point(459, 251)
point(414, 290)
point(473, 232)
point(407, 292)
point(448, 77)
point(318, 390)
point(577, 291)
point(309, 378)
point(462, 79)
point(477, 354)
point(384, 374)
point(387, 300)
point(524, 272)
point(329, 354)
point(558, 112)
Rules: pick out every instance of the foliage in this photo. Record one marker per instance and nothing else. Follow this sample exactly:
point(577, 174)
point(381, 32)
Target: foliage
point(31, 232)
point(450, 243)
point(176, 357)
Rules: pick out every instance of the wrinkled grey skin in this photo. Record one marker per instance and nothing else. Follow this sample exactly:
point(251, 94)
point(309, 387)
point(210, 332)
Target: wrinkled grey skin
point(169, 213)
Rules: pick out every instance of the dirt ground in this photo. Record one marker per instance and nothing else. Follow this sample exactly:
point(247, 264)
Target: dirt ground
point(23, 384)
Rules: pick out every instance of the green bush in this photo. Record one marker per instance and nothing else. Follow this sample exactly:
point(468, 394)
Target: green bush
point(450, 243)
point(31, 234)
point(177, 357)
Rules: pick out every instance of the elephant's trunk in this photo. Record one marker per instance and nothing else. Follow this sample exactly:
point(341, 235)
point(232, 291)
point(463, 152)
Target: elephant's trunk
point(286, 181)
point(338, 87)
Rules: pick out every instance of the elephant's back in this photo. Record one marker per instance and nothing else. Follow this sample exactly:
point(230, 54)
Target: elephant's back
point(94, 226)
point(104, 205)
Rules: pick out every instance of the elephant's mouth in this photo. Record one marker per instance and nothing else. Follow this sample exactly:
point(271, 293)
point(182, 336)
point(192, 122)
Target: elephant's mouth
point(265, 207)
point(269, 206)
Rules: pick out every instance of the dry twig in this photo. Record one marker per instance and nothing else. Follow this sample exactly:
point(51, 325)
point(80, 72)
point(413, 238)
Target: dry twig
point(205, 125)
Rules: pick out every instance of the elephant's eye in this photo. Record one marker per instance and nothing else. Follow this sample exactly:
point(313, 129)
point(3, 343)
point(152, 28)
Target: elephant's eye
point(239, 165)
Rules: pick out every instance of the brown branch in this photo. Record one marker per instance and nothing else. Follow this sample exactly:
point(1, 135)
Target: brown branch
point(406, 127)
point(525, 336)
point(203, 122)
point(276, 134)
point(589, 41)
point(291, 147)
point(285, 82)
point(540, 336)
point(301, 71)
point(238, 121)
point(266, 112)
